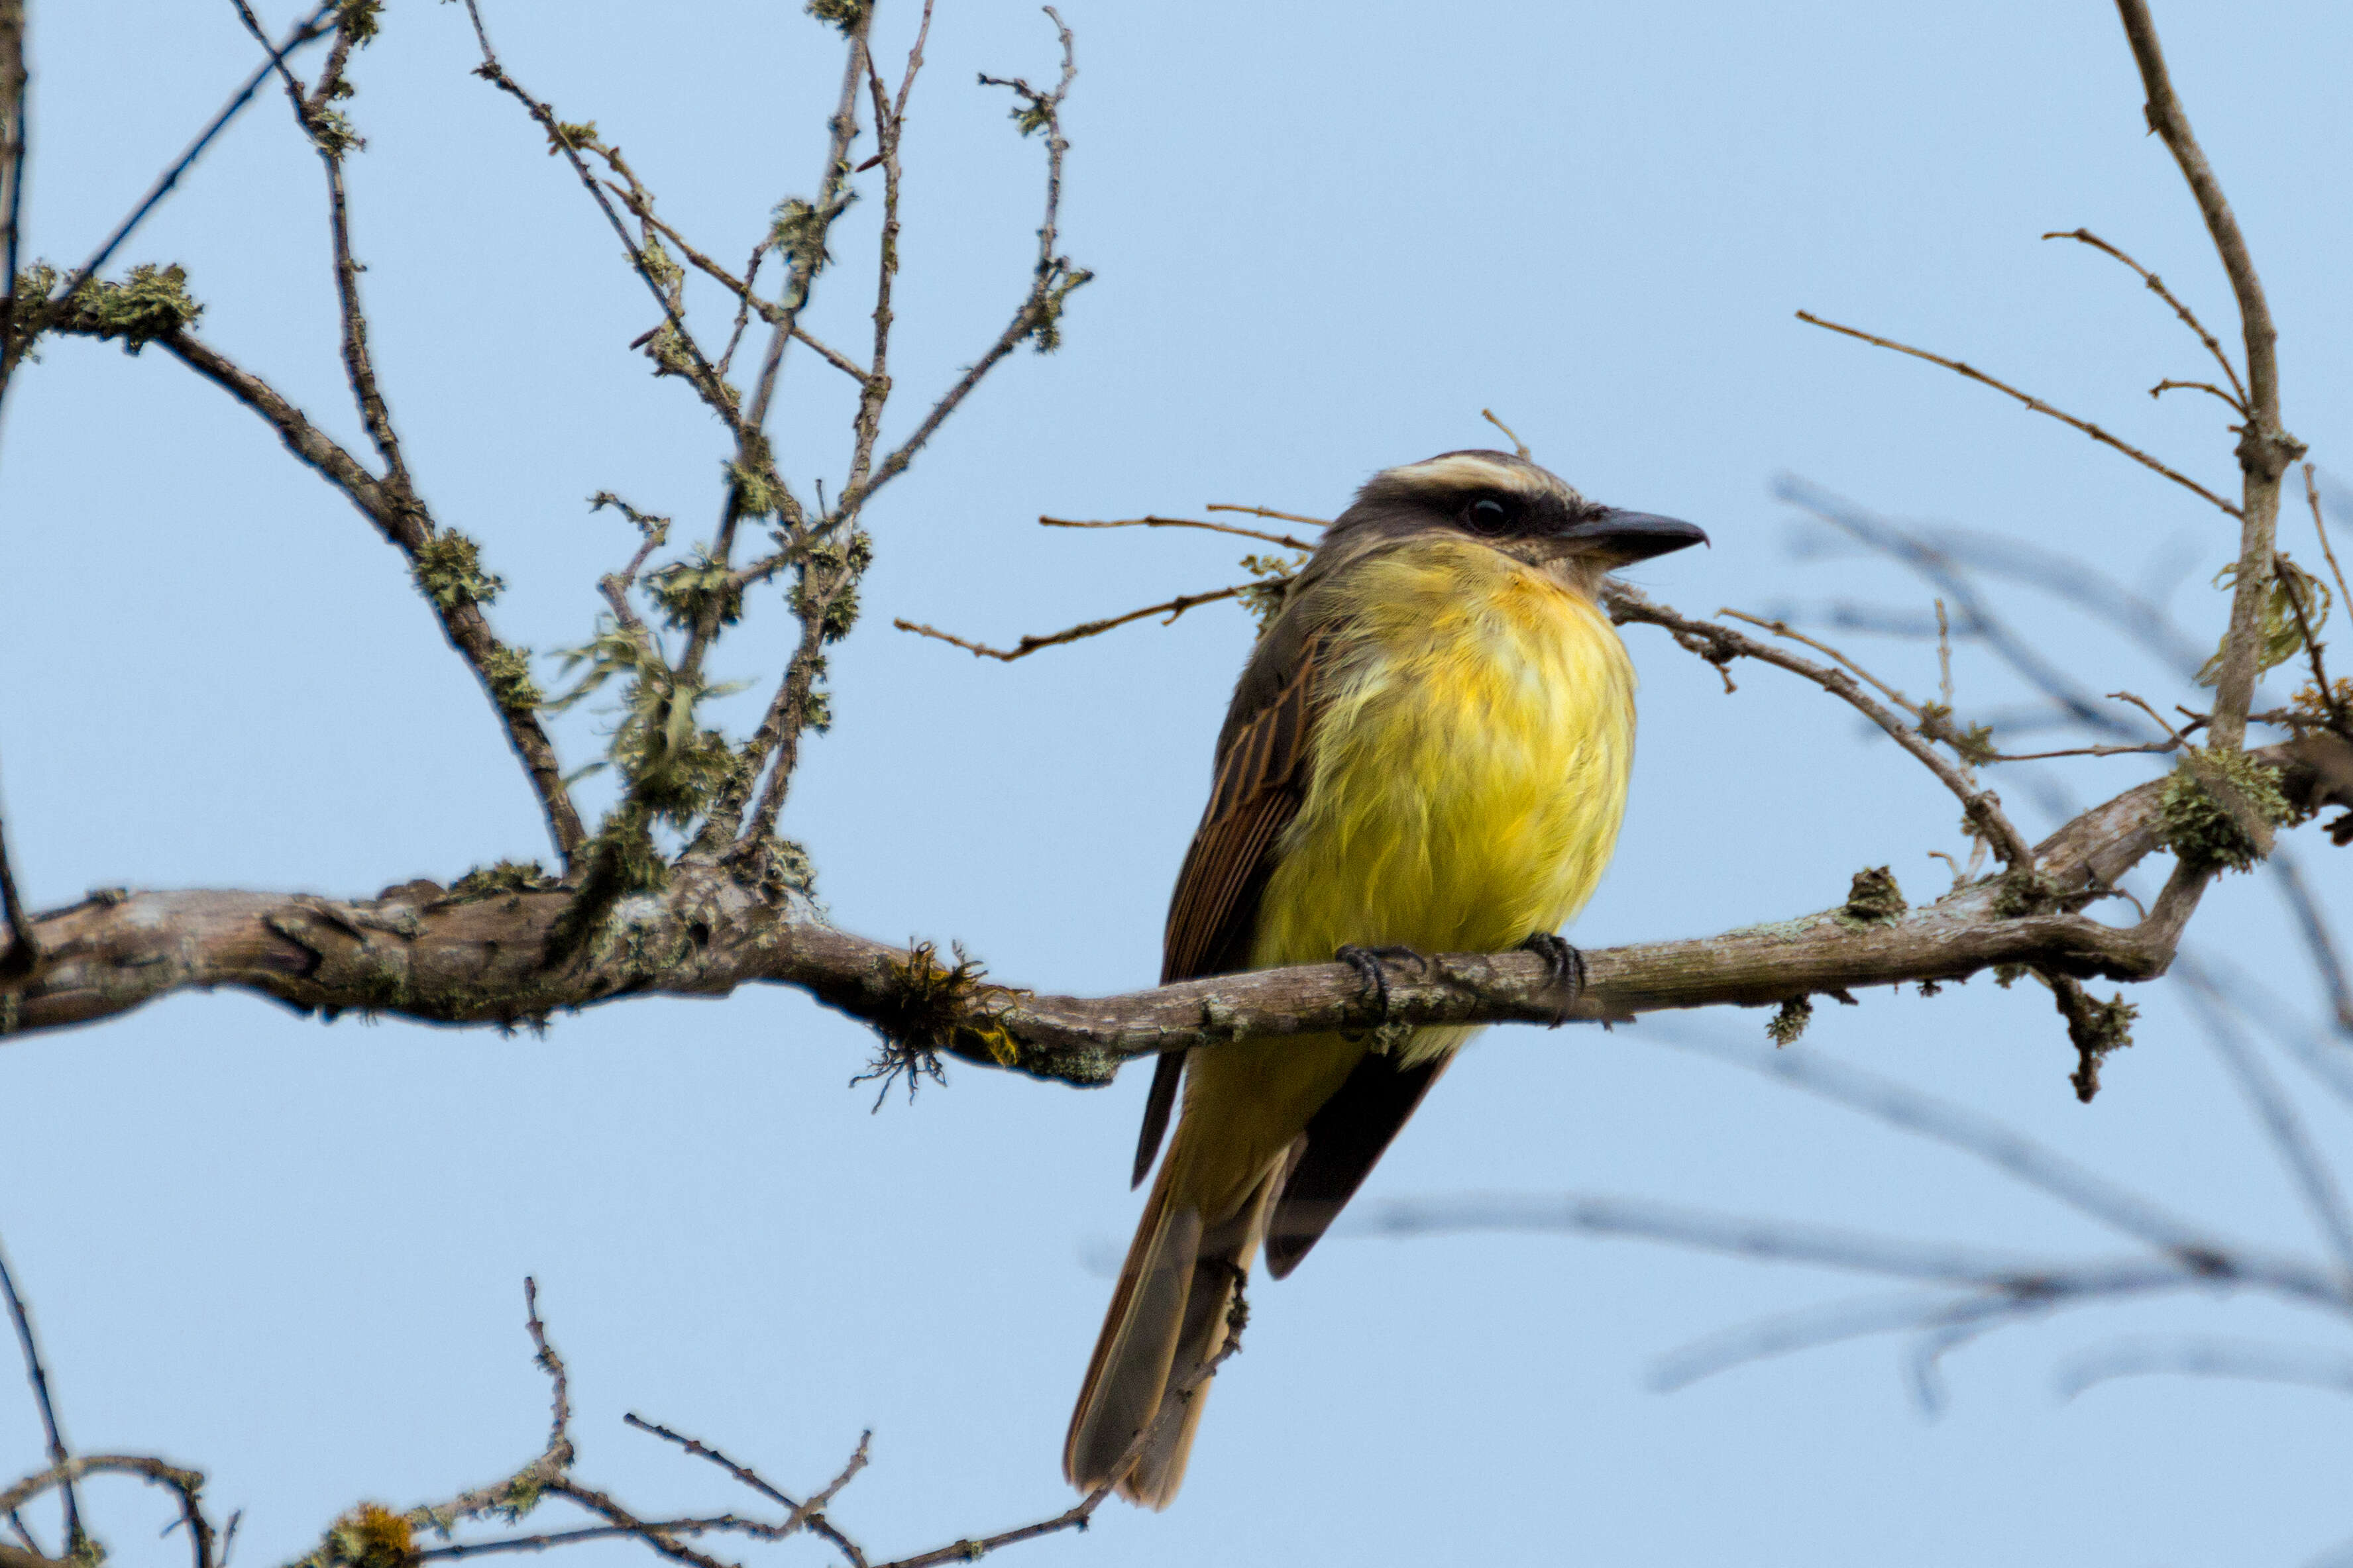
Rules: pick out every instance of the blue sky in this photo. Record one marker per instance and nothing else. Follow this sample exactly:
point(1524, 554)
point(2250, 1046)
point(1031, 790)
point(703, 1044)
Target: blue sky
point(1325, 236)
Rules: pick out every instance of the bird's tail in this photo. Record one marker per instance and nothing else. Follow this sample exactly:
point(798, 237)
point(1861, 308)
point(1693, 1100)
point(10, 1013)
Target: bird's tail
point(1167, 1322)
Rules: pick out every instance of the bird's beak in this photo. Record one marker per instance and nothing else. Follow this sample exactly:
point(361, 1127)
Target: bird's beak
point(1630, 536)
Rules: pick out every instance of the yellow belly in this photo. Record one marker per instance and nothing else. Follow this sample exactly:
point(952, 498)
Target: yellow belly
point(1467, 782)
point(1470, 767)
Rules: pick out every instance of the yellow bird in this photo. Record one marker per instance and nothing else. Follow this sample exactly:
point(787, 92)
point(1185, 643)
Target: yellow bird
point(1428, 751)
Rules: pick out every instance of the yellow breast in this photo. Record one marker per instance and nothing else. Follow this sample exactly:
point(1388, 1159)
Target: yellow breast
point(1470, 763)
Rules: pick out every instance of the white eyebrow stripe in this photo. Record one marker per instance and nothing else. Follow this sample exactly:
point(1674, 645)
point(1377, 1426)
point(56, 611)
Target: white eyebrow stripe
point(1464, 472)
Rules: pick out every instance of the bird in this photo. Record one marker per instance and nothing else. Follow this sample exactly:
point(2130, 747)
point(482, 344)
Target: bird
point(1428, 752)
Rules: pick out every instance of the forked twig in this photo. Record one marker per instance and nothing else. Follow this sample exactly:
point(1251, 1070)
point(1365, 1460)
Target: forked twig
point(2031, 401)
point(2237, 396)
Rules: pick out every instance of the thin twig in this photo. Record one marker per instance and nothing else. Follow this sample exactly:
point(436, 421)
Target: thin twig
point(1517, 445)
point(38, 1376)
point(2162, 387)
point(559, 1423)
point(775, 747)
point(1284, 540)
point(305, 31)
point(1783, 629)
point(706, 377)
point(1269, 512)
point(2237, 396)
point(2031, 401)
point(1720, 644)
point(2320, 527)
point(1033, 643)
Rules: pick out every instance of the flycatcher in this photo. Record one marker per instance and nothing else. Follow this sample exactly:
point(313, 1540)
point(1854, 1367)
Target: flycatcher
point(1428, 751)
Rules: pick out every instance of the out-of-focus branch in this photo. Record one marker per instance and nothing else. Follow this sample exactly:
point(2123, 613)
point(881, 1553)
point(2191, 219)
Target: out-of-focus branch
point(2265, 449)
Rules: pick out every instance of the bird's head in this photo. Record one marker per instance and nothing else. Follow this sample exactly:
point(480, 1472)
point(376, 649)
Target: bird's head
point(1512, 505)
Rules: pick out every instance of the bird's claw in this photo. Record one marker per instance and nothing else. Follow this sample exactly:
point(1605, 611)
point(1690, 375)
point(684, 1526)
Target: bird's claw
point(1564, 966)
point(1367, 961)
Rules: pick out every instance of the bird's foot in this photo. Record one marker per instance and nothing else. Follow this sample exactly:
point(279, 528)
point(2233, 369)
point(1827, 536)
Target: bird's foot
point(1564, 965)
point(1367, 961)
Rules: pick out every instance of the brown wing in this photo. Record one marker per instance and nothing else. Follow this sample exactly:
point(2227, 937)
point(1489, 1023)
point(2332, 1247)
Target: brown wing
point(1261, 778)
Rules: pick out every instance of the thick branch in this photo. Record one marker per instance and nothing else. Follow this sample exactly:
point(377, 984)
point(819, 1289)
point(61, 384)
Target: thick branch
point(419, 953)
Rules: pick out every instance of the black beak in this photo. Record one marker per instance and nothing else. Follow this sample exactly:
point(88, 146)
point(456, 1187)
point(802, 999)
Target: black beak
point(1630, 536)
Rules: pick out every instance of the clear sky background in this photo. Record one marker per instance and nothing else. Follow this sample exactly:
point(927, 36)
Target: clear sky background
point(1326, 236)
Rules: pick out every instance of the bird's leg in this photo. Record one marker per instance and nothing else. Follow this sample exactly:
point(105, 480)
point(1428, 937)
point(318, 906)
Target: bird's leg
point(1564, 965)
point(1367, 961)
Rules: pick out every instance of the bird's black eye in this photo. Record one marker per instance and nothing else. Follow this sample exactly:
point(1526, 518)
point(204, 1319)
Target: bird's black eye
point(1486, 516)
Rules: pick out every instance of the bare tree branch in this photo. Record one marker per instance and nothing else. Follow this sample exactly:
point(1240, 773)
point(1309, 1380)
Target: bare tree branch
point(474, 956)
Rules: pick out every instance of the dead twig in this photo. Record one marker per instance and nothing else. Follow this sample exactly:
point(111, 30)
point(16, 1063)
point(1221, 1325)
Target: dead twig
point(2237, 396)
point(1720, 644)
point(2032, 402)
point(1030, 644)
point(1284, 540)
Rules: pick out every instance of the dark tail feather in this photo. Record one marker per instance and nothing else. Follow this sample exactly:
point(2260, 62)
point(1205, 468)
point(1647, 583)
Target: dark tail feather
point(1167, 1322)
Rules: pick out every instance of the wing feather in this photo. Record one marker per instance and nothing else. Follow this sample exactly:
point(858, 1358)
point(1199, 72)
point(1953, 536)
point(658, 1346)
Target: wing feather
point(1260, 780)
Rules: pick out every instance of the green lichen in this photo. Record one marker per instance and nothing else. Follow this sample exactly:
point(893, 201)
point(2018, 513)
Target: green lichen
point(153, 302)
point(797, 230)
point(1263, 598)
point(2219, 808)
point(567, 136)
point(1789, 1023)
point(331, 133)
point(842, 15)
point(2096, 1029)
point(370, 1536)
point(2279, 627)
point(687, 591)
point(1873, 899)
point(357, 20)
point(2023, 892)
point(448, 568)
point(758, 491)
point(501, 877)
point(1973, 745)
point(932, 1008)
point(1045, 332)
point(508, 670)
